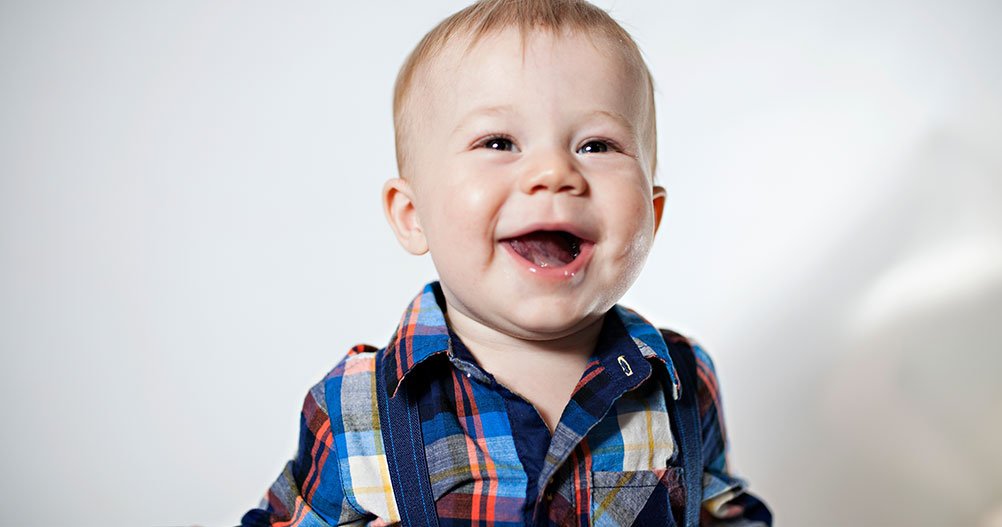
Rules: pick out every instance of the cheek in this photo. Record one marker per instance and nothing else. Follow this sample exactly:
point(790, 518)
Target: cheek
point(478, 193)
point(463, 213)
point(475, 202)
point(633, 211)
point(632, 225)
point(643, 231)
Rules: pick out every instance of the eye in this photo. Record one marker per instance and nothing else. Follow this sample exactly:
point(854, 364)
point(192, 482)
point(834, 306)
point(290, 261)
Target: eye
point(594, 147)
point(502, 144)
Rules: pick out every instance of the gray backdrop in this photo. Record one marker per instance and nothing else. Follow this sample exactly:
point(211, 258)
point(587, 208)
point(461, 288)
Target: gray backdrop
point(190, 236)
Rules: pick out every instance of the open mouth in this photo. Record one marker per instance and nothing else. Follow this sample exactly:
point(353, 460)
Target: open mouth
point(547, 248)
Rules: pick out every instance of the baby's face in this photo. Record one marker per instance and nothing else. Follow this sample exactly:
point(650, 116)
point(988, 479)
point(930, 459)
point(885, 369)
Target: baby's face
point(530, 186)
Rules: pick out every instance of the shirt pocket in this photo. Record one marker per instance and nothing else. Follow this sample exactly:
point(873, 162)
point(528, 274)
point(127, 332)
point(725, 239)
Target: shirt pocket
point(636, 497)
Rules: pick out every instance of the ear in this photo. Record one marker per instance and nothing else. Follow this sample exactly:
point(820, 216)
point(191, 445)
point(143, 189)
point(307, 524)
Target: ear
point(659, 205)
point(398, 205)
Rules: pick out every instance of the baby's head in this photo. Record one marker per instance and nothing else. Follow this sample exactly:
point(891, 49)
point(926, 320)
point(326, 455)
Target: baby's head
point(526, 148)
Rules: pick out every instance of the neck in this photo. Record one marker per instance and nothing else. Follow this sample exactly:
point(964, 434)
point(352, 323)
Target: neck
point(495, 349)
point(542, 371)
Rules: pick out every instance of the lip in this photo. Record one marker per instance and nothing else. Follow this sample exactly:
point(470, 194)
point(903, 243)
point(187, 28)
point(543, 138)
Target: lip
point(578, 231)
point(562, 273)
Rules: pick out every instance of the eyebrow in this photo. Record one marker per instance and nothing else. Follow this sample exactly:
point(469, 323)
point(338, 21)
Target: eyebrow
point(615, 116)
point(619, 118)
point(477, 112)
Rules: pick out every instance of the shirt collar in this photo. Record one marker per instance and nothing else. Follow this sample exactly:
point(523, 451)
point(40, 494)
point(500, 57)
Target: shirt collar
point(424, 333)
point(650, 342)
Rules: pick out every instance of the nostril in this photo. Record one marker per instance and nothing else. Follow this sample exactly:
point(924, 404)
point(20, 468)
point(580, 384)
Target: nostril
point(574, 189)
point(566, 179)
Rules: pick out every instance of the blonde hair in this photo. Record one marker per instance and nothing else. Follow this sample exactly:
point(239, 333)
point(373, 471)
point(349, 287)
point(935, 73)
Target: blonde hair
point(489, 16)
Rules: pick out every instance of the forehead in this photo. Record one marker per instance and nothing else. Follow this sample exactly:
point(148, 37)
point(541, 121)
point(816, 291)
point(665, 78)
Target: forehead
point(541, 69)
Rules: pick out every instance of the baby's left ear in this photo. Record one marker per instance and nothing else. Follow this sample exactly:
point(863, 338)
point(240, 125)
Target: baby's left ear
point(659, 205)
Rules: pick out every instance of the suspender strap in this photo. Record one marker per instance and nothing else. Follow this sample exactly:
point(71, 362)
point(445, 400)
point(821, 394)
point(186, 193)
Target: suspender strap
point(685, 416)
point(403, 442)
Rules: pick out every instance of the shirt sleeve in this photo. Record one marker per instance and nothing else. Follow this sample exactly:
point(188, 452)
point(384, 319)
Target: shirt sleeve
point(309, 491)
point(726, 501)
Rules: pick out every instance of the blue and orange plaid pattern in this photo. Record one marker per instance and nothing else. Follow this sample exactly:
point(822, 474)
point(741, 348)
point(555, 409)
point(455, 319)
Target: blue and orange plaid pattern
point(611, 459)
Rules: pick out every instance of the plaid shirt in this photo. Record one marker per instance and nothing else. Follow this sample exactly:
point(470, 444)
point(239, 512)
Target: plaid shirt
point(610, 461)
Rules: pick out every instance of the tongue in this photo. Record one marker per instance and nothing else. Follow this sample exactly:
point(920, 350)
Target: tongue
point(545, 249)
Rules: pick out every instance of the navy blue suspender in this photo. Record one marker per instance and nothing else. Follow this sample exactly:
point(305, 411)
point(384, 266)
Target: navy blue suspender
point(685, 417)
point(400, 426)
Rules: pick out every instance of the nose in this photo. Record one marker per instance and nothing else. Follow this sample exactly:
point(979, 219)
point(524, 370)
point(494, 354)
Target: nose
point(553, 171)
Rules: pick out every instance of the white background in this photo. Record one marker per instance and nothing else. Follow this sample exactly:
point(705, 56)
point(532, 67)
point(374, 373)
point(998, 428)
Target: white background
point(190, 237)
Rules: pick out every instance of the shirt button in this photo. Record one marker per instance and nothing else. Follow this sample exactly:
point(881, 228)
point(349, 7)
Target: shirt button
point(625, 365)
point(548, 496)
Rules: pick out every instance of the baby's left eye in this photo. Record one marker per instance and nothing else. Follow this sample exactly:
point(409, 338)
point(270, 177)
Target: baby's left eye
point(594, 147)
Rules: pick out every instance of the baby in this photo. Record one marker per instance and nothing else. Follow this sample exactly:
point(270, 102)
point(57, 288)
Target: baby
point(515, 391)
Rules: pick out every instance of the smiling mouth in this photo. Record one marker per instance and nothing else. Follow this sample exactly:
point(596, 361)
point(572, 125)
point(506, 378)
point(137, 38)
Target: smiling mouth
point(547, 248)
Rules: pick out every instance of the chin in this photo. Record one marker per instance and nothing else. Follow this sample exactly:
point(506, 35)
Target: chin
point(539, 322)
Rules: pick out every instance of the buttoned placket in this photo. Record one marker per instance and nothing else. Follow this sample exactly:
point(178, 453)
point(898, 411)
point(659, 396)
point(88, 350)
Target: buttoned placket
point(612, 383)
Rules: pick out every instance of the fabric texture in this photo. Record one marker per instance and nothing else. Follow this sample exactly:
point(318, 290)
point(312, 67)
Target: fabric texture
point(612, 459)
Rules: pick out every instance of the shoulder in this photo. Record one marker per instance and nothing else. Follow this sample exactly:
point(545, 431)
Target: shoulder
point(322, 408)
point(343, 391)
point(689, 345)
point(360, 360)
point(348, 396)
point(349, 387)
point(708, 400)
point(707, 385)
